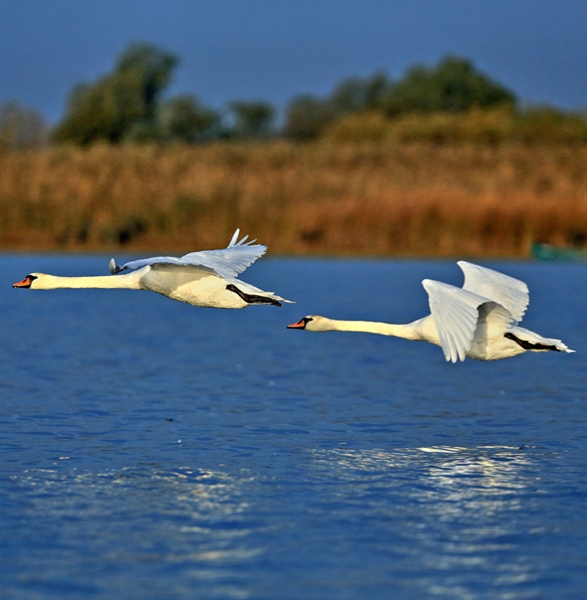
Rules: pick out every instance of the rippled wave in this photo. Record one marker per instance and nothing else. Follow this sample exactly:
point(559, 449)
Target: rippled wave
point(153, 450)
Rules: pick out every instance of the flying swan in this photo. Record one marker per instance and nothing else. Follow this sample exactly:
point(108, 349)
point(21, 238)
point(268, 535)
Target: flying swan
point(207, 278)
point(479, 320)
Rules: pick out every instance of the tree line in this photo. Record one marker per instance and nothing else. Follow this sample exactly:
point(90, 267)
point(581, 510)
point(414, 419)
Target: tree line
point(129, 105)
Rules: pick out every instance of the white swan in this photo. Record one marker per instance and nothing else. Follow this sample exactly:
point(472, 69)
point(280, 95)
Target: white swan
point(478, 320)
point(207, 278)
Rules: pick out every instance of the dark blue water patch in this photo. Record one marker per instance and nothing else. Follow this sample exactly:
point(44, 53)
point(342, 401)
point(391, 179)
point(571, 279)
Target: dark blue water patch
point(151, 449)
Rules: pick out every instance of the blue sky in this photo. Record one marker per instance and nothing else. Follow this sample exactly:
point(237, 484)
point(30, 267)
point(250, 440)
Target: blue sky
point(274, 50)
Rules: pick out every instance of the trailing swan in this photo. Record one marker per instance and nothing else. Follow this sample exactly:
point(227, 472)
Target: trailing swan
point(479, 320)
point(207, 278)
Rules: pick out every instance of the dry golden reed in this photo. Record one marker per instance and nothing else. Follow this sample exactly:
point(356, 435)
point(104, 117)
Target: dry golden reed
point(370, 198)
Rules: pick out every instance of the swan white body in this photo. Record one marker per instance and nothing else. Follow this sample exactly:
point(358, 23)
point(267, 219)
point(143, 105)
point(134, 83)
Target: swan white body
point(479, 320)
point(207, 278)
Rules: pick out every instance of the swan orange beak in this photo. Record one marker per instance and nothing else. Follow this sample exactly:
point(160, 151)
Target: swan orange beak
point(25, 283)
point(299, 325)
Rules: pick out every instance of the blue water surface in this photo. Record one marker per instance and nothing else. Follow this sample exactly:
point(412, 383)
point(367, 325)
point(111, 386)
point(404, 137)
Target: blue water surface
point(150, 449)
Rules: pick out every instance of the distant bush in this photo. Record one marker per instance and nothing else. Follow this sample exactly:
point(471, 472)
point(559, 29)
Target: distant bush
point(21, 127)
point(252, 119)
point(127, 105)
point(475, 126)
point(546, 124)
point(371, 126)
point(452, 101)
point(185, 118)
point(122, 104)
point(454, 85)
point(308, 117)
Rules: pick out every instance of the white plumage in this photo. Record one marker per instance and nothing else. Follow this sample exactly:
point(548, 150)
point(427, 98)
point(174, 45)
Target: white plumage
point(227, 262)
point(207, 278)
point(479, 320)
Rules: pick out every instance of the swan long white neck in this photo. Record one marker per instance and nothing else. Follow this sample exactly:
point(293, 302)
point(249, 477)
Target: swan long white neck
point(409, 331)
point(52, 282)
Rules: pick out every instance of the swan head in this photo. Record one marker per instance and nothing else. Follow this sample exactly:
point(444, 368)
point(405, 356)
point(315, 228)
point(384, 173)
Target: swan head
point(30, 281)
point(313, 323)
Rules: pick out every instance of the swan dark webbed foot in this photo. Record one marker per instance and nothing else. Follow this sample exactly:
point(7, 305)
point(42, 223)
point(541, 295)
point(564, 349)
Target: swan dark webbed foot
point(252, 298)
point(460, 319)
point(529, 345)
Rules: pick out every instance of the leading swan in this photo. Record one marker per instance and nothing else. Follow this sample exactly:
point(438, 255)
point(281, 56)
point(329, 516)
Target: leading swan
point(207, 278)
point(479, 320)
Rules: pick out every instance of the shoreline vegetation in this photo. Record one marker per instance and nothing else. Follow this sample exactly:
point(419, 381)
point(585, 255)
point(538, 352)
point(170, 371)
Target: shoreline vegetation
point(441, 162)
point(373, 197)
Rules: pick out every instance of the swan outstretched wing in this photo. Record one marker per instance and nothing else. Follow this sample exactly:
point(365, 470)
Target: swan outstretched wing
point(511, 293)
point(455, 313)
point(227, 262)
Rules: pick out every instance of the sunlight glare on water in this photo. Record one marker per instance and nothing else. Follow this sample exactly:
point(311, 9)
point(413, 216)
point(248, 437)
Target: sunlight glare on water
point(155, 450)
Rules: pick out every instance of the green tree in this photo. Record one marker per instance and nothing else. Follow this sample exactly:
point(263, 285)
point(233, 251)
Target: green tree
point(121, 104)
point(376, 91)
point(307, 117)
point(356, 94)
point(185, 118)
point(252, 119)
point(454, 85)
point(150, 68)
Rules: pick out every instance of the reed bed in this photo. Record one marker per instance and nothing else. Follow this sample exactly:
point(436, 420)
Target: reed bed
point(408, 199)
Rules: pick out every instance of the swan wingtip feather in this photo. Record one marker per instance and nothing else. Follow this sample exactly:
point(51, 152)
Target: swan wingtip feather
point(113, 267)
point(234, 238)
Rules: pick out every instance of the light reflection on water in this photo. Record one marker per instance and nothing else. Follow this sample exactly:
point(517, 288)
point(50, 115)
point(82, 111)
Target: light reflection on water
point(194, 521)
point(465, 510)
point(151, 450)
